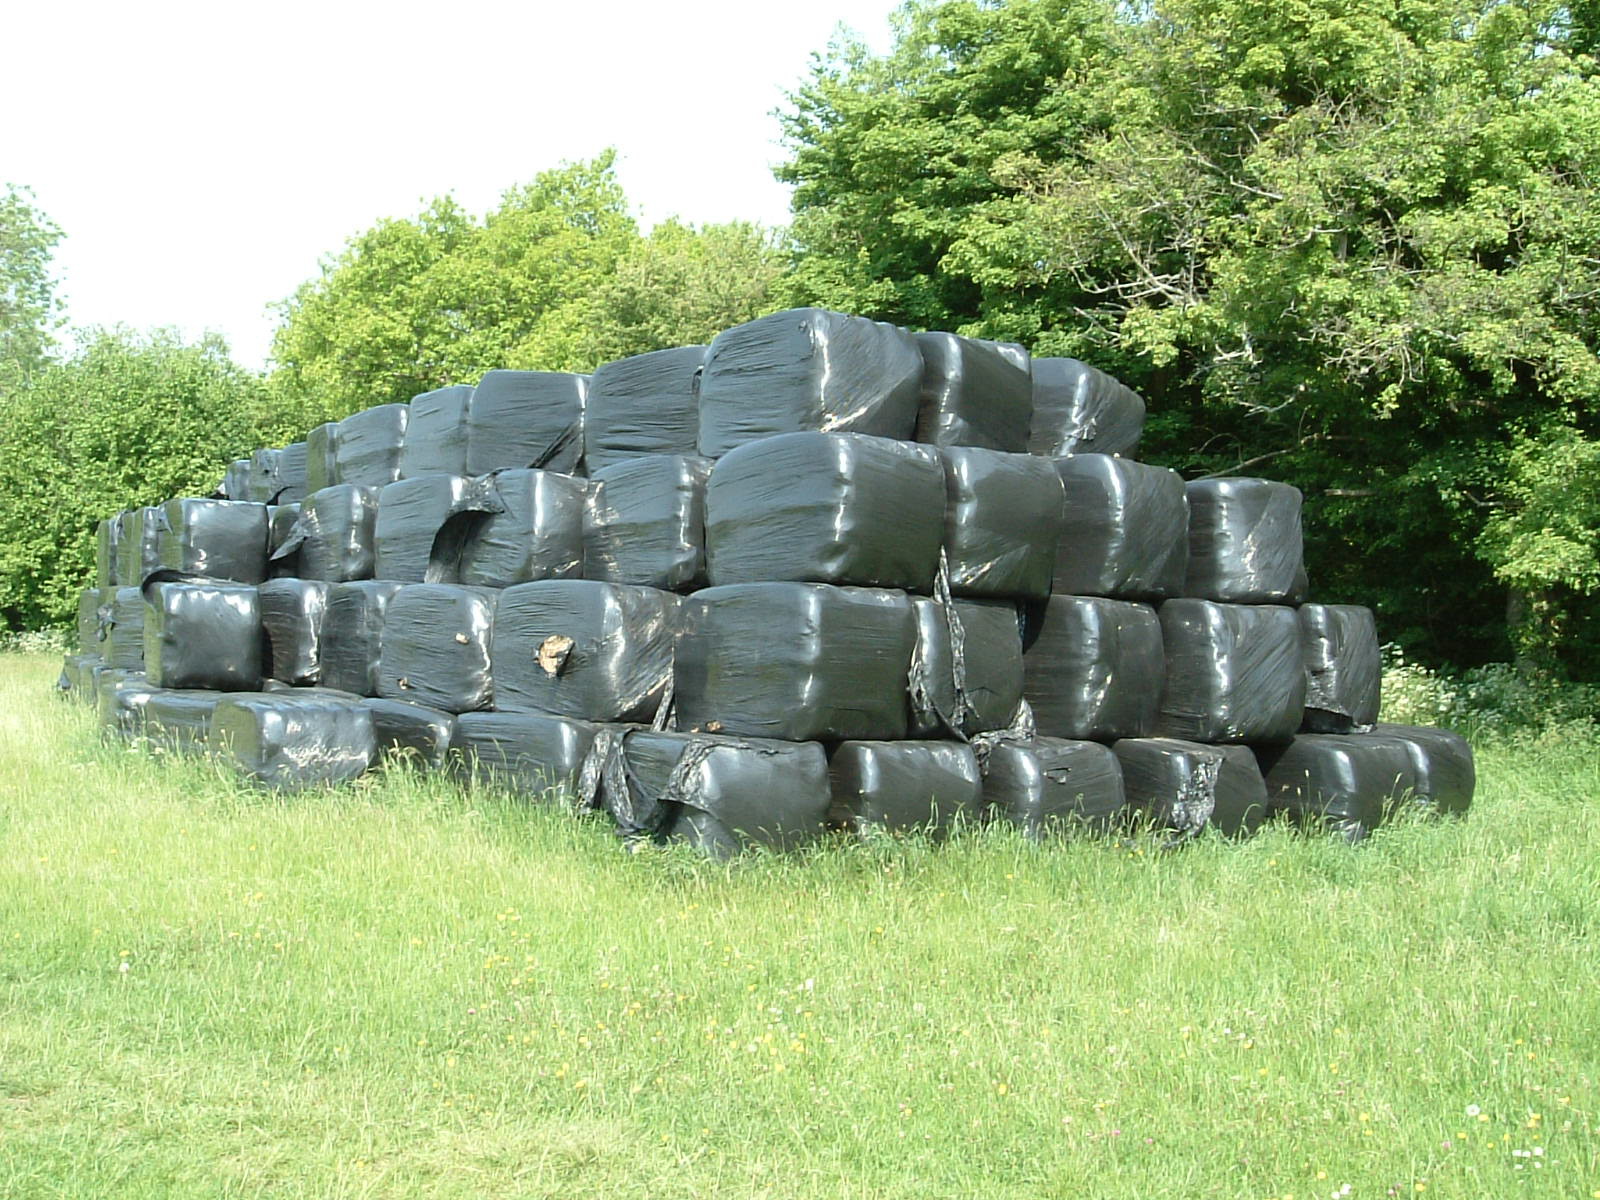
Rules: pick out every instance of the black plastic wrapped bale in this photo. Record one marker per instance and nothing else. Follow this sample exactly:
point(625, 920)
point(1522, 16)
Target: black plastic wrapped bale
point(352, 634)
point(808, 369)
point(435, 647)
point(411, 515)
point(1441, 760)
point(412, 731)
point(1092, 668)
point(1002, 522)
point(220, 539)
point(1054, 785)
point(367, 450)
point(826, 508)
point(292, 612)
point(536, 534)
point(265, 477)
point(522, 751)
point(645, 522)
point(973, 394)
point(903, 786)
point(105, 552)
point(123, 625)
point(179, 719)
point(724, 795)
point(1344, 782)
point(526, 419)
point(75, 670)
point(289, 741)
point(1078, 409)
point(336, 534)
point(120, 699)
point(203, 635)
point(235, 483)
point(1344, 670)
point(798, 661)
point(1125, 529)
point(976, 692)
point(90, 621)
point(582, 648)
point(292, 469)
point(281, 522)
point(436, 438)
point(1245, 542)
point(1233, 672)
point(1188, 788)
point(644, 405)
point(322, 457)
point(139, 548)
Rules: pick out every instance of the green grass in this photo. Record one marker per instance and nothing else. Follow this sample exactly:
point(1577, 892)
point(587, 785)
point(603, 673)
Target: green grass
point(397, 989)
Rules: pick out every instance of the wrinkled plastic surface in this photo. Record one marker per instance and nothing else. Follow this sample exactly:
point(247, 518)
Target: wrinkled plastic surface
point(975, 691)
point(336, 534)
point(826, 508)
point(287, 742)
point(123, 626)
point(278, 476)
point(1245, 542)
point(1054, 785)
point(798, 661)
point(139, 548)
point(808, 369)
point(644, 522)
point(235, 483)
point(105, 553)
point(1002, 522)
point(352, 633)
point(1441, 763)
point(1092, 668)
point(322, 450)
point(973, 394)
point(1344, 782)
point(1344, 669)
point(367, 450)
point(1078, 409)
point(412, 731)
point(536, 534)
point(120, 699)
point(1233, 673)
point(263, 486)
point(903, 786)
point(220, 539)
point(435, 647)
point(292, 612)
point(411, 515)
point(179, 719)
point(89, 620)
point(281, 522)
point(436, 436)
point(1125, 529)
point(203, 635)
point(644, 405)
point(1189, 788)
point(526, 419)
point(523, 751)
point(77, 676)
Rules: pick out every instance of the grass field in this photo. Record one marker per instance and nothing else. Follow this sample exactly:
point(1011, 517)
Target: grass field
point(402, 990)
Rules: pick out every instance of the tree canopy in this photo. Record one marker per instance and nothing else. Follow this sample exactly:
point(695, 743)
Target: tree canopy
point(29, 309)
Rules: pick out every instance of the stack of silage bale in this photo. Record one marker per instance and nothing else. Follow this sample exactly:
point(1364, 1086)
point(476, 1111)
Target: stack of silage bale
point(820, 572)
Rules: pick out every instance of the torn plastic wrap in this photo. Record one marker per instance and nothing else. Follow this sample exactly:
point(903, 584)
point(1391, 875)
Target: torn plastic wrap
point(973, 394)
point(808, 369)
point(90, 622)
point(179, 719)
point(139, 547)
point(523, 751)
point(1080, 410)
point(1002, 522)
point(412, 732)
point(644, 522)
point(582, 648)
point(235, 483)
point(220, 539)
point(1125, 529)
point(975, 691)
point(526, 419)
point(1053, 785)
point(1188, 788)
point(798, 661)
point(644, 405)
point(335, 535)
point(530, 527)
point(1441, 764)
point(288, 742)
point(411, 515)
point(436, 437)
point(1343, 782)
point(267, 475)
point(281, 522)
point(1092, 668)
point(724, 795)
point(292, 464)
point(367, 450)
point(352, 633)
point(292, 612)
point(902, 786)
point(322, 457)
point(1344, 669)
point(105, 553)
point(122, 621)
point(435, 647)
point(202, 635)
point(826, 508)
point(1245, 543)
point(1233, 672)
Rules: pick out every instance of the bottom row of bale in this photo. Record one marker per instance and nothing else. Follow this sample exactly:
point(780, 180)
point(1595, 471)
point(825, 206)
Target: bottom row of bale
point(723, 794)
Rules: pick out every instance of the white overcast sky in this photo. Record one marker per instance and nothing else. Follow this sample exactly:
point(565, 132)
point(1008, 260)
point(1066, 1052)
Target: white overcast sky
point(202, 157)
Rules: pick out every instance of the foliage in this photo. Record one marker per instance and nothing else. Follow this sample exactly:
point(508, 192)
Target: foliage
point(29, 310)
point(1492, 702)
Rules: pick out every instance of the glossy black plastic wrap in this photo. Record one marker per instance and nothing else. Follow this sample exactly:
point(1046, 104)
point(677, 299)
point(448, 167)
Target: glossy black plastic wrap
point(826, 508)
point(262, 485)
point(1053, 785)
point(435, 647)
point(977, 691)
point(336, 534)
point(90, 623)
point(436, 436)
point(798, 661)
point(220, 539)
point(286, 741)
point(523, 751)
point(1188, 788)
point(367, 450)
point(235, 483)
point(278, 476)
point(1092, 668)
point(1078, 409)
point(1002, 522)
point(582, 648)
point(139, 547)
point(808, 369)
point(537, 532)
point(645, 405)
point(413, 732)
point(281, 522)
point(77, 676)
point(973, 393)
point(123, 626)
point(352, 634)
point(1343, 782)
point(1441, 761)
point(203, 635)
point(1125, 529)
point(179, 719)
point(1344, 669)
point(412, 514)
point(120, 699)
point(1245, 542)
point(1233, 673)
point(322, 457)
point(524, 419)
point(292, 612)
point(106, 533)
point(897, 787)
point(644, 522)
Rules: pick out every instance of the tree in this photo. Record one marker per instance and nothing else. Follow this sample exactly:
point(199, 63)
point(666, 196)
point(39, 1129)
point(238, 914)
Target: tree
point(29, 310)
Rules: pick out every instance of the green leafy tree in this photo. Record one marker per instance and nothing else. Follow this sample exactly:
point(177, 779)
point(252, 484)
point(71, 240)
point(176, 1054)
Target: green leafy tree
point(29, 309)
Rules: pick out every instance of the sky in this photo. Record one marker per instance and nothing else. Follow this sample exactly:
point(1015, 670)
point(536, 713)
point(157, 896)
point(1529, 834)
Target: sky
point(203, 158)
